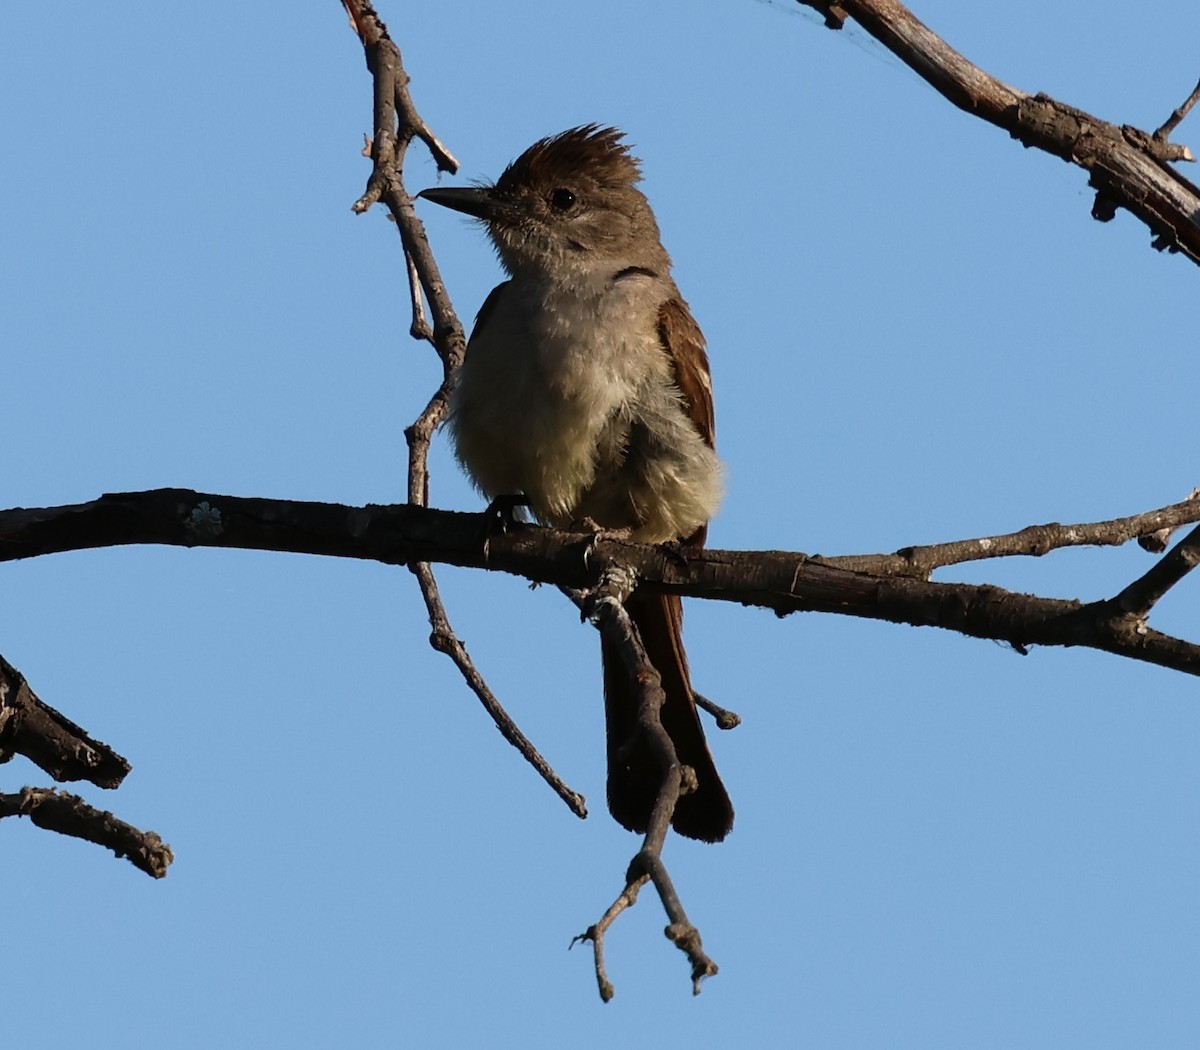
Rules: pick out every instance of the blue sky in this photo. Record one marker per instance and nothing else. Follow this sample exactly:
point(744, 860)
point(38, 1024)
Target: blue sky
point(917, 333)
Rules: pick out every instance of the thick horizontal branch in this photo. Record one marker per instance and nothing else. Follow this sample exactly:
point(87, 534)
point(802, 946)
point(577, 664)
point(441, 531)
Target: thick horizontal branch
point(782, 581)
point(1127, 167)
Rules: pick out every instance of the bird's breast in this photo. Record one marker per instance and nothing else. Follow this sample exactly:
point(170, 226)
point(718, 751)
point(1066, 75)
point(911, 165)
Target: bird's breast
point(545, 373)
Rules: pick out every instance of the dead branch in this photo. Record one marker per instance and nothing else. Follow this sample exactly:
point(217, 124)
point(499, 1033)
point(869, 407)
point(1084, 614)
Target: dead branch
point(725, 718)
point(782, 581)
point(49, 739)
point(604, 607)
point(1033, 541)
point(595, 933)
point(1129, 168)
point(1177, 115)
point(396, 124)
point(444, 640)
point(70, 815)
point(58, 746)
point(1140, 596)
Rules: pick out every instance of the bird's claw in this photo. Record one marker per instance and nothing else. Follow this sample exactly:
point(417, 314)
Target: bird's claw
point(500, 516)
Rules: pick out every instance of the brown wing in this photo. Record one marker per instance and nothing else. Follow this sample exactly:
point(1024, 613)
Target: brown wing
point(633, 771)
point(485, 311)
point(684, 343)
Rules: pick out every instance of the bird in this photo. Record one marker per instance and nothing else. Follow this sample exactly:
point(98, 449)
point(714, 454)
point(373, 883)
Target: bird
point(585, 389)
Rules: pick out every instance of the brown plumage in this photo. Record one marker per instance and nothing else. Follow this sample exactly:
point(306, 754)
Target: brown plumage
point(586, 388)
point(592, 154)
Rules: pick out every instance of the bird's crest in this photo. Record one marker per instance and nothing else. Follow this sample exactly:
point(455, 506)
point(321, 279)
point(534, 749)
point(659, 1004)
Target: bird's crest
point(593, 151)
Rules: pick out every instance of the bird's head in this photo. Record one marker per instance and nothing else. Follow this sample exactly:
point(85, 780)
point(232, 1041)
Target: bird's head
point(569, 203)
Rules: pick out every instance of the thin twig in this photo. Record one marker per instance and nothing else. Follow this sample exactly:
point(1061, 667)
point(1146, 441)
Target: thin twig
point(604, 607)
point(396, 124)
point(627, 898)
point(726, 719)
point(393, 104)
point(420, 327)
point(1032, 541)
point(444, 640)
point(680, 930)
point(419, 436)
point(1177, 115)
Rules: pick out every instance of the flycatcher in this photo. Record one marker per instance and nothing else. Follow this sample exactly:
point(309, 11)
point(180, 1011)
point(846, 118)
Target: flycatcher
point(586, 389)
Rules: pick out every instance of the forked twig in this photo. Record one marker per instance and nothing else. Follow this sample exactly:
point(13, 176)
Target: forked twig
point(604, 607)
point(396, 124)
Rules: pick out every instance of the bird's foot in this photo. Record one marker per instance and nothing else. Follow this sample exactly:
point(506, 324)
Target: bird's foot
point(501, 513)
point(501, 516)
point(597, 533)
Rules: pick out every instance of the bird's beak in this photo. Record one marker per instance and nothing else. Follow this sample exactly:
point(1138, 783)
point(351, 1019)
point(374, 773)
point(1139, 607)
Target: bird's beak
point(472, 200)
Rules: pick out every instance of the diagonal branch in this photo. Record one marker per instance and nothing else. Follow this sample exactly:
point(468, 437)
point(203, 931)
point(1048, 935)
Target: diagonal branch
point(70, 815)
point(50, 740)
point(1177, 115)
point(1140, 596)
point(444, 640)
point(396, 124)
point(1127, 167)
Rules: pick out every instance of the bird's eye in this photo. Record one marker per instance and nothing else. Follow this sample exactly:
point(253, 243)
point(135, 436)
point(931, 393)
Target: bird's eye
point(562, 200)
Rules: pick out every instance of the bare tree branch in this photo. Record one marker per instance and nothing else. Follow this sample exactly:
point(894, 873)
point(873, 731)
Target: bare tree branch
point(1140, 596)
point(782, 581)
point(70, 815)
point(595, 933)
point(1177, 115)
point(49, 739)
point(396, 124)
point(393, 105)
point(725, 718)
point(1033, 541)
point(446, 641)
point(1127, 167)
point(604, 606)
